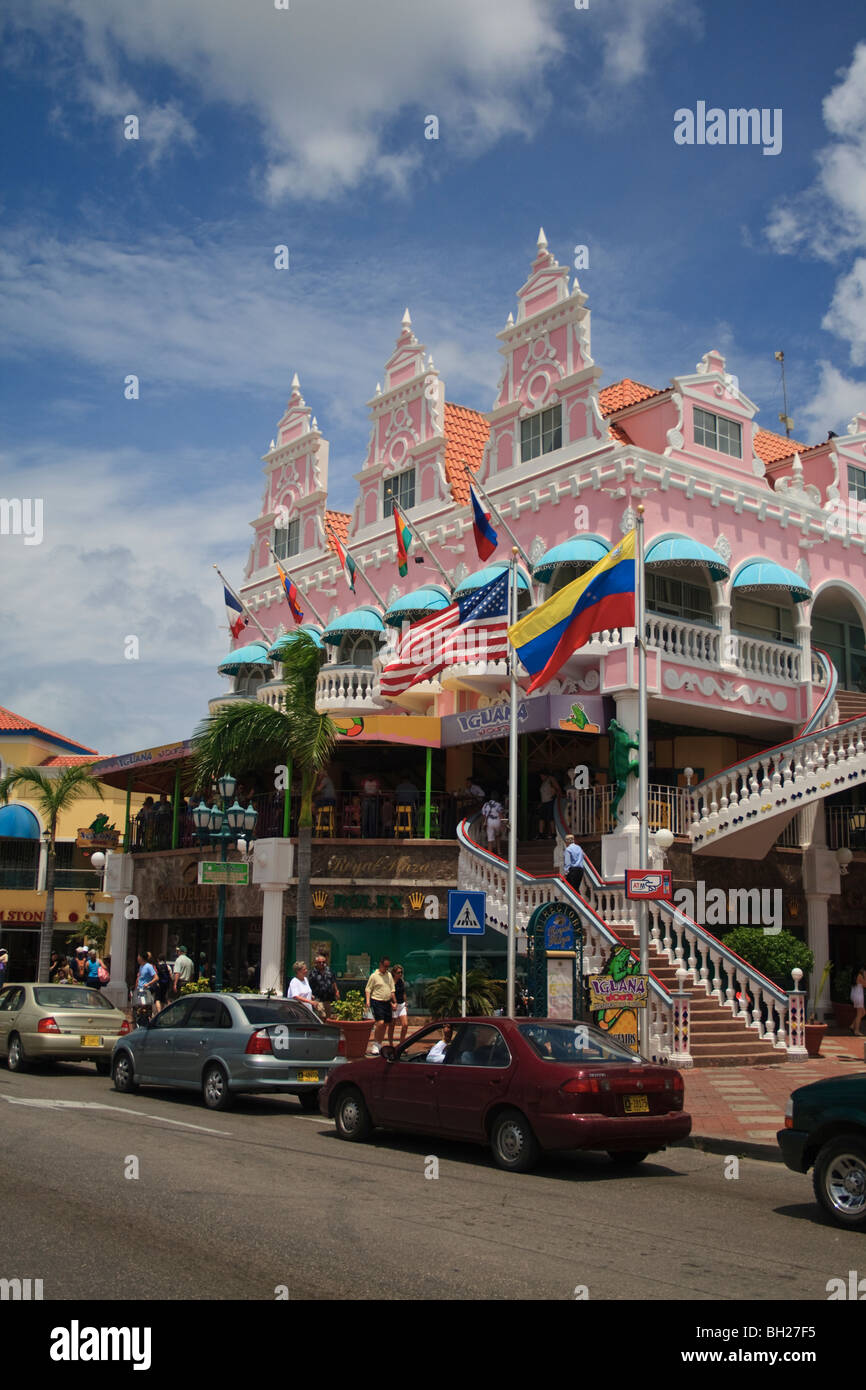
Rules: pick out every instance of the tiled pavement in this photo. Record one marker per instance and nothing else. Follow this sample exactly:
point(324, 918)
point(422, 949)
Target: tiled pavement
point(746, 1105)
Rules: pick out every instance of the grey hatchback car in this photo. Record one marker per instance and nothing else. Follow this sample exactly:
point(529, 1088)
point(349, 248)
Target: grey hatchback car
point(223, 1045)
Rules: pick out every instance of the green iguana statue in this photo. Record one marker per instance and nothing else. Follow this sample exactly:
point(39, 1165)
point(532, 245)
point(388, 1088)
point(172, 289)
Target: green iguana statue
point(621, 765)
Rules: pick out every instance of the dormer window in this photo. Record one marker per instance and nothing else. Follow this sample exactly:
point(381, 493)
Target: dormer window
point(399, 490)
point(541, 433)
point(715, 432)
point(287, 539)
point(857, 483)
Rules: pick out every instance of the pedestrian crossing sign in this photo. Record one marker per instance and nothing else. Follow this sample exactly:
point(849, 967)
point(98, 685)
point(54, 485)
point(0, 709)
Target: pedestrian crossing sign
point(466, 912)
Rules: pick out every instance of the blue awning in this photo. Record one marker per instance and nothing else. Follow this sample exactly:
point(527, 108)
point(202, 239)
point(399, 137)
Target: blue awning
point(18, 823)
point(486, 576)
point(681, 551)
point(432, 598)
point(357, 620)
point(287, 637)
point(764, 578)
point(253, 654)
point(581, 552)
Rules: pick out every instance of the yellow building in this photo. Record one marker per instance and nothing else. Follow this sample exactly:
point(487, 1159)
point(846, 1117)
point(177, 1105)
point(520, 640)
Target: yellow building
point(23, 850)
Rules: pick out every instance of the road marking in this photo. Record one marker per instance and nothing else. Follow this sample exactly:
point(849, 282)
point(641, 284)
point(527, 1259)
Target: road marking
point(115, 1109)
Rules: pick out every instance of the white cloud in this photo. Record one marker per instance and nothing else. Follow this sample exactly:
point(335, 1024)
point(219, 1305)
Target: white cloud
point(328, 80)
point(836, 401)
point(631, 27)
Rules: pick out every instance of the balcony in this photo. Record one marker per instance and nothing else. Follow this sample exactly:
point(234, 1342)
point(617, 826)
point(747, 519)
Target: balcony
point(347, 690)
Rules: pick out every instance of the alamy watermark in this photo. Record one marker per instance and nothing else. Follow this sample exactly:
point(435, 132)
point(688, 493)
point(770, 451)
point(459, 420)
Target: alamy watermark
point(22, 516)
point(736, 126)
point(738, 907)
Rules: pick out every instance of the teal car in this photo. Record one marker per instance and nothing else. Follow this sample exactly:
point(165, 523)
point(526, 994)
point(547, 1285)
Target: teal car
point(825, 1129)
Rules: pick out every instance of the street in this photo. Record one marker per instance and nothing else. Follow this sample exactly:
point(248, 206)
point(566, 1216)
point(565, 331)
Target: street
point(264, 1201)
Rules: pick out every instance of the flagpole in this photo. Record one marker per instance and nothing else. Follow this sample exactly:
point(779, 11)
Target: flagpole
point(316, 614)
point(643, 764)
point(370, 585)
point(243, 605)
point(499, 517)
point(511, 912)
point(421, 541)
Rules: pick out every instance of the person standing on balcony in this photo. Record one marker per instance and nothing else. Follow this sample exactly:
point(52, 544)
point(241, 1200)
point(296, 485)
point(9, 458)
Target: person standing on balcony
point(573, 864)
point(370, 789)
point(550, 790)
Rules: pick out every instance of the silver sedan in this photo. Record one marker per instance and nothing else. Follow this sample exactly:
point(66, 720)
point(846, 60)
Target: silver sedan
point(224, 1044)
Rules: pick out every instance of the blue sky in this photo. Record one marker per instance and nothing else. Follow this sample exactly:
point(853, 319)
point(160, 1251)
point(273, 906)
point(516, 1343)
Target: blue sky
point(306, 127)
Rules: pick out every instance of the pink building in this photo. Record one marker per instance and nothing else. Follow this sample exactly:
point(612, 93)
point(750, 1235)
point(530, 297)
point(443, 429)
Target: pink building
point(755, 560)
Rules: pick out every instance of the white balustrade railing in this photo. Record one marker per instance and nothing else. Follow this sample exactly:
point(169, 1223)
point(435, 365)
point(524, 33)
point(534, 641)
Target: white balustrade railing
point(790, 775)
point(347, 688)
point(693, 642)
point(758, 656)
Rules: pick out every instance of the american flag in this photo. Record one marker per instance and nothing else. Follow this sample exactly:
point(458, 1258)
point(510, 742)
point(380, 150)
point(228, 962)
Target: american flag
point(473, 628)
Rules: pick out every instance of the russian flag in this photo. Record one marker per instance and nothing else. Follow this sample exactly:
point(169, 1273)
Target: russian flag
point(291, 594)
point(235, 614)
point(601, 598)
point(486, 539)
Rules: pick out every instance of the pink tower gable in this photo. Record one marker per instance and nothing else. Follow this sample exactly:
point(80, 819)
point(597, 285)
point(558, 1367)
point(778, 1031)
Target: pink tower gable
point(296, 467)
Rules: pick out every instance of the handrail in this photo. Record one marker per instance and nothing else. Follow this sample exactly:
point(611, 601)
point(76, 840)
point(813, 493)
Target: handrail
point(811, 725)
point(780, 749)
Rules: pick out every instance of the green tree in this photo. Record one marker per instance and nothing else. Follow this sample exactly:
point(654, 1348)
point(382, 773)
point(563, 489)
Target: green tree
point(53, 796)
point(250, 737)
point(445, 995)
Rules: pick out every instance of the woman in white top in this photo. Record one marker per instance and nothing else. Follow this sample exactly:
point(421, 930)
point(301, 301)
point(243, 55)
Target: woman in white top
point(299, 986)
point(857, 1001)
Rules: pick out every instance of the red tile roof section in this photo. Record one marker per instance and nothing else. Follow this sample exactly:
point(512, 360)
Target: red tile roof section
point(70, 761)
point(622, 394)
point(773, 447)
point(466, 434)
point(15, 723)
point(337, 524)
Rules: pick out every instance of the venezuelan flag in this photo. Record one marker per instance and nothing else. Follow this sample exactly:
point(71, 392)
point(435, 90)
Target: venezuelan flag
point(602, 598)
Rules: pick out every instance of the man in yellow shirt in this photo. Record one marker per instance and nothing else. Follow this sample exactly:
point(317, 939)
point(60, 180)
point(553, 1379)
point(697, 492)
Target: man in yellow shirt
point(380, 996)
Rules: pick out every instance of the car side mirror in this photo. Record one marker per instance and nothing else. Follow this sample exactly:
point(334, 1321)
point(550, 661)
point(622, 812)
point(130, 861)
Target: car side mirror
point(389, 1053)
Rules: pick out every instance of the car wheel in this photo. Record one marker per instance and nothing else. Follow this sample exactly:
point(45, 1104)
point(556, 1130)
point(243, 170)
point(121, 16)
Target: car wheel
point(309, 1101)
point(215, 1088)
point(15, 1058)
point(839, 1180)
point(103, 1068)
point(123, 1073)
point(351, 1116)
point(515, 1147)
point(628, 1158)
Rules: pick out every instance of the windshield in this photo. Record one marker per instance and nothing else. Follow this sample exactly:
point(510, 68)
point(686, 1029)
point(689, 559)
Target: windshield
point(276, 1011)
point(70, 997)
point(574, 1043)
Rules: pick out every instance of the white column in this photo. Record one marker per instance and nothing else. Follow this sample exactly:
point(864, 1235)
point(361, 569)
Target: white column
point(728, 656)
point(803, 631)
point(821, 881)
point(273, 866)
point(118, 886)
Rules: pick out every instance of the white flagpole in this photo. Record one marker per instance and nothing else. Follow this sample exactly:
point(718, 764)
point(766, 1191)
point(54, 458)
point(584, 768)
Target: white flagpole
point(511, 913)
point(316, 614)
point(498, 515)
point(643, 764)
point(247, 612)
point(370, 585)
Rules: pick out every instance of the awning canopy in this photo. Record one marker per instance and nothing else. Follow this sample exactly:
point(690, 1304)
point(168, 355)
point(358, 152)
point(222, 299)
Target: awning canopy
point(356, 621)
point(765, 578)
point(253, 654)
point(432, 598)
point(288, 637)
point(581, 552)
point(486, 576)
point(18, 823)
point(679, 551)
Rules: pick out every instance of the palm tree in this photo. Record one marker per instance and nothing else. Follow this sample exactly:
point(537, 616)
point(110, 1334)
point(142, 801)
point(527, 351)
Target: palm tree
point(444, 995)
point(53, 796)
point(248, 737)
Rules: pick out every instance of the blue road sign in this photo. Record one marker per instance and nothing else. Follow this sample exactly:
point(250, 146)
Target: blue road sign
point(466, 913)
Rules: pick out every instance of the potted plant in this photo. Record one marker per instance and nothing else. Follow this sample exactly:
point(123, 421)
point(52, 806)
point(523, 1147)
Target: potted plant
point(814, 1029)
point(840, 995)
point(354, 1027)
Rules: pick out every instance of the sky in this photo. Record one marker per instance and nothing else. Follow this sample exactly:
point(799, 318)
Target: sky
point(301, 123)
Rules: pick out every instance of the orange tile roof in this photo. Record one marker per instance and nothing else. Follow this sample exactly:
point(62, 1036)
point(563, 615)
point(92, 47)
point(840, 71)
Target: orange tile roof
point(70, 761)
point(466, 434)
point(337, 524)
point(16, 723)
point(624, 393)
point(772, 447)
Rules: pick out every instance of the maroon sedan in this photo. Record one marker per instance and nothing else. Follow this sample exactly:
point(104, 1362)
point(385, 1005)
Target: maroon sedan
point(519, 1085)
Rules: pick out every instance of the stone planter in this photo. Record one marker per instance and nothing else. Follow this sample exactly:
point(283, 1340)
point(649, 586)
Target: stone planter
point(356, 1036)
point(814, 1037)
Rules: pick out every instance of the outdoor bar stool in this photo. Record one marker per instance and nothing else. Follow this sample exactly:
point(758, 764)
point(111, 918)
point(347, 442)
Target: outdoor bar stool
point(403, 823)
point(325, 822)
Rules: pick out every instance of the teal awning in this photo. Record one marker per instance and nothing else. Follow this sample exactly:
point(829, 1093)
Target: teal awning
point(357, 620)
point(253, 654)
point(486, 576)
point(681, 551)
point(581, 552)
point(432, 598)
point(287, 637)
point(18, 823)
point(765, 578)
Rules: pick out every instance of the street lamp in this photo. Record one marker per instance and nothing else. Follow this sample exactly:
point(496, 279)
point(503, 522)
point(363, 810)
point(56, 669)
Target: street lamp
point(223, 825)
point(843, 858)
point(664, 838)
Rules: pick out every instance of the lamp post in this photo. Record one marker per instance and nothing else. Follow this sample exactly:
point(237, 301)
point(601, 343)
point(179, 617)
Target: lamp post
point(223, 825)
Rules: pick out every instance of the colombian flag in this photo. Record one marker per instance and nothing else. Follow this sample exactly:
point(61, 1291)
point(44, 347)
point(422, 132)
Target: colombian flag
point(601, 598)
point(404, 540)
point(486, 539)
point(291, 594)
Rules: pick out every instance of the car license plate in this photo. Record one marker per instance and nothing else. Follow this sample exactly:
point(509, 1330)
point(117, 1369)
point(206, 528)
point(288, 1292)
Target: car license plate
point(637, 1105)
point(308, 1076)
point(90, 1040)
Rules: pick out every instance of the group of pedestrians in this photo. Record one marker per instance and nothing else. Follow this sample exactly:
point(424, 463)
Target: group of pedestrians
point(84, 966)
point(158, 982)
point(385, 994)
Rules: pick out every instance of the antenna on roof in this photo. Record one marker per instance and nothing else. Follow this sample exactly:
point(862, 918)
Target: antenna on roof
point(785, 419)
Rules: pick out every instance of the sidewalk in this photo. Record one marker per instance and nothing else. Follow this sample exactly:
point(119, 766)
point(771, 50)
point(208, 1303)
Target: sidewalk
point(738, 1110)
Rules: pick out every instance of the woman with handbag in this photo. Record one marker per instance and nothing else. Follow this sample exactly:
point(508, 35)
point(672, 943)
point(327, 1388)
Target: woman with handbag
point(96, 974)
point(142, 996)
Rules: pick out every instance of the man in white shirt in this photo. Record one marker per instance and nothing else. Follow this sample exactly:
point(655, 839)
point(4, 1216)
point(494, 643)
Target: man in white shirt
point(573, 863)
point(183, 971)
point(438, 1050)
